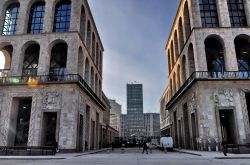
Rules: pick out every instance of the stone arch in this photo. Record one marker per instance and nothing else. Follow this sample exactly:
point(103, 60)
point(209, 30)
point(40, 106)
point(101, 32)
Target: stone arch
point(183, 69)
point(57, 41)
point(191, 62)
point(214, 47)
point(242, 48)
point(180, 31)
point(86, 71)
point(187, 20)
point(83, 23)
point(176, 45)
point(80, 61)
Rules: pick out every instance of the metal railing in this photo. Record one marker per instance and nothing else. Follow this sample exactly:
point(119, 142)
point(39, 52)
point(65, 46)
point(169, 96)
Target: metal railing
point(209, 76)
point(35, 80)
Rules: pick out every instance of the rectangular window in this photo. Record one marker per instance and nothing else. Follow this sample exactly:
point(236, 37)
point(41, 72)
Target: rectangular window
point(237, 13)
point(208, 11)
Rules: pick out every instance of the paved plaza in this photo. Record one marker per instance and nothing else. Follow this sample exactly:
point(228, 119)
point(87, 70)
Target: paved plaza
point(130, 157)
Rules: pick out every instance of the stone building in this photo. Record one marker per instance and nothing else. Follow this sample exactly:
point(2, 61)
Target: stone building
point(115, 115)
point(51, 83)
point(208, 93)
point(152, 125)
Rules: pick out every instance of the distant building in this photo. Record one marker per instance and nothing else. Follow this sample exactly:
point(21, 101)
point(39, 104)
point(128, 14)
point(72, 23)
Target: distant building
point(136, 123)
point(115, 115)
point(152, 125)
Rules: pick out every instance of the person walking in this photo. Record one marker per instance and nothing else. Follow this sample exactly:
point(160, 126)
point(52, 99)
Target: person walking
point(145, 147)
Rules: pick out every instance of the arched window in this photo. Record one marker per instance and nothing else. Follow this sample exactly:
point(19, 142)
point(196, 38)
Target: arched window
point(10, 20)
point(62, 16)
point(31, 59)
point(242, 46)
point(97, 55)
point(5, 60)
point(83, 23)
point(171, 87)
point(183, 69)
point(237, 13)
point(101, 62)
point(100, 88)
point(208, 11)
point(187, 20)
point(96, 84)
point(172, 55)
point(58, 59)
point(215, 56)
point(191, 59)
point(88, 36)
point(169, 62)
point(181, 37)
point(174, 83)
point(92, 83)
point(176, 45)
point(178, 76)
point(80, 62)
point(93, 46)
point(86, 74)
point(35, 24)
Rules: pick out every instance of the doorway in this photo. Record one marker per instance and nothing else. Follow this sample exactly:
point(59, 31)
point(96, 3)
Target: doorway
point(80, 134)
point(227, 126)
point(49, 128)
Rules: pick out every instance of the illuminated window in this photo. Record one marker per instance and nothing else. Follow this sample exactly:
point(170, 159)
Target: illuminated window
point(62, 16)
point(36, 18)
point(10, 20)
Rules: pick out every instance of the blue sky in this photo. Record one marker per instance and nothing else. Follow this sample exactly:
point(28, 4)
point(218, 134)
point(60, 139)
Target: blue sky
point(134, 35)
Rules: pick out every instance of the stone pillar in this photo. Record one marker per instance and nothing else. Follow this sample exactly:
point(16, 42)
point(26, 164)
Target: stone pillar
point(195, 17)
point(2, 15)
point(75, 16)
point(44, 59)
point(230, 55)
point(247, 10)
point(49, 16)
point(223, 14)
point(200, 53)
point(17, 60)
point(23, 18)
point(72, 58)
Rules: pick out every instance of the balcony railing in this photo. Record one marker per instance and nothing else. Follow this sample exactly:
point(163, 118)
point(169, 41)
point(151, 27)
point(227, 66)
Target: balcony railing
point(208, 76)
point(51, 79)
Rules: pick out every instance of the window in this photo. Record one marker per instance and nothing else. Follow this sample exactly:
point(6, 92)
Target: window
point(62, 16)
point(36, 18)
point(31, 59)
point(10, 20)
point(209, 16)
point(237, 13)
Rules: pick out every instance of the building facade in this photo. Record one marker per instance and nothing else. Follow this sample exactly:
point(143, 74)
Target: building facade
point(51, 83)
point(207, 98)
point(115, 115)
point(152, 125)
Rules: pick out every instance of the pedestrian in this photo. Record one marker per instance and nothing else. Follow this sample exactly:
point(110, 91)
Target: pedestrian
point(224, 146)
point(145, 147)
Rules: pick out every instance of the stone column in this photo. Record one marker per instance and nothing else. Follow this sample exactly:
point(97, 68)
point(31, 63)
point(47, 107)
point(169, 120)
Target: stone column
point(195, 17)
point(17, 60)
point(49, 16)
point(23, 18)
point(44, 59)
point(200, 53)
point(247, 10)
point(2, 15)
point(223, 14)
point(230, 54)
point(72, 58)
point(75, 16)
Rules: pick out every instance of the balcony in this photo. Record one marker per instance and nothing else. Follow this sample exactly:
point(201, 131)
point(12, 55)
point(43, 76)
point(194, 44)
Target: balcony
point(33, 80)
point(208, 76)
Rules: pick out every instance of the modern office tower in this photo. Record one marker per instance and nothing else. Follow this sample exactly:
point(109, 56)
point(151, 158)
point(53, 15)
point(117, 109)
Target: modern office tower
point(208, 95)
point(51, 83)
point(152, 125)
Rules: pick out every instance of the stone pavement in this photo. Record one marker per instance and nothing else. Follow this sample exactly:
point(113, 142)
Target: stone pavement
point(214, 155)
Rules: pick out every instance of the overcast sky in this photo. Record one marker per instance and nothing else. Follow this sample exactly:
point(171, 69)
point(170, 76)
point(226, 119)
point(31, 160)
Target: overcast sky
point(134, 35)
